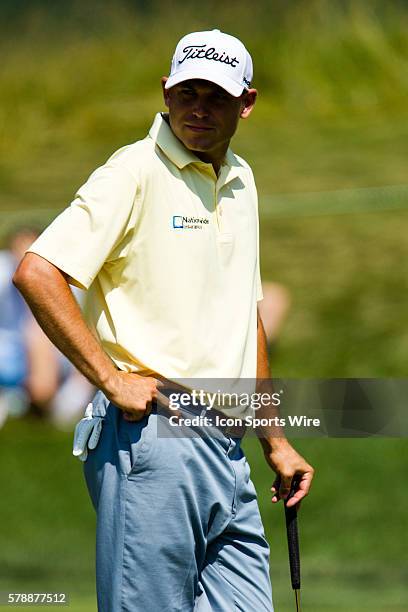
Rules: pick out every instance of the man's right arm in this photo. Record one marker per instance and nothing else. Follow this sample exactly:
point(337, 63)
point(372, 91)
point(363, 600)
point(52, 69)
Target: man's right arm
point(46, 290)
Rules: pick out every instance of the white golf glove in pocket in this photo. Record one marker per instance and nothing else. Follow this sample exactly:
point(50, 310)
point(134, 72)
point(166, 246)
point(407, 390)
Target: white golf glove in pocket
point(88, 430)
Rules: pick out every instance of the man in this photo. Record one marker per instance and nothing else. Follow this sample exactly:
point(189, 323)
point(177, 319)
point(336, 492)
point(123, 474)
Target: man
point(165, 237)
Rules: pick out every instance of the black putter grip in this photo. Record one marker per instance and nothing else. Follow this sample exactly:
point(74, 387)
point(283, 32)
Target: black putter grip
point(293, 540)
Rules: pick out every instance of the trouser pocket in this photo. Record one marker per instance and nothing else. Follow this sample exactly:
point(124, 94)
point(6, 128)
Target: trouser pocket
point(135, 443)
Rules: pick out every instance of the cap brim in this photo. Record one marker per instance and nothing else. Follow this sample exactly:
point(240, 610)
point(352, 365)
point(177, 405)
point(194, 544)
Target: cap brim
point(231, 86)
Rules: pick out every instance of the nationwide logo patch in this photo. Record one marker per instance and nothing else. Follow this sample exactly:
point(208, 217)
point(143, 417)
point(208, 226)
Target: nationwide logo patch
point(181, 222)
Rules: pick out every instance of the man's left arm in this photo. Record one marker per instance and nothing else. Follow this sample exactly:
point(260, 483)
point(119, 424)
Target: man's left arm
point(279, 454)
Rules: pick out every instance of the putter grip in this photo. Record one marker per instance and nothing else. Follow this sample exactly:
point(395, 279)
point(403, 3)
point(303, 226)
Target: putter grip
point(293, 542)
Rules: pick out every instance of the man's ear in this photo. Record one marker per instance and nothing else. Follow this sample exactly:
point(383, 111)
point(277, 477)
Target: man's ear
point(248, 102)
point(165, 91)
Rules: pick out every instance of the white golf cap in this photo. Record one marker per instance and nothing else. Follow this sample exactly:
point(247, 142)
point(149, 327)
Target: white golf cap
point(212, 56)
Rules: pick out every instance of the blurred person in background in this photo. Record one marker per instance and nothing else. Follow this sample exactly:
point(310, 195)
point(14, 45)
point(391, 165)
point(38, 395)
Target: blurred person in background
point(34, 376)
point(273, 309)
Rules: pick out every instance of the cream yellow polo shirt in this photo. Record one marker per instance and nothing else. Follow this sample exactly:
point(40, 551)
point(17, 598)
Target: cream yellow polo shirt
point(169, 253)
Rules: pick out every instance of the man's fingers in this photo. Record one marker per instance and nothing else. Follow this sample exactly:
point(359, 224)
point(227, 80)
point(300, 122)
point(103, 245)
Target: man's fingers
point(275, 490)
point(296, 499)
point(162, 399)
point(282, 485)
point(302, 489)
point(275, 498)
point(153, 386)
point(285, 484)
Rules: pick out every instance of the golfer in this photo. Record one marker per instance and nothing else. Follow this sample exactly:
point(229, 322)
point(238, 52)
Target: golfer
point(164, 236)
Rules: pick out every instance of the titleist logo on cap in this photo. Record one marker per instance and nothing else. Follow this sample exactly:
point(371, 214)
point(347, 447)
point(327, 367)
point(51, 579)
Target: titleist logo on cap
point(209, 53)
point(229, 64)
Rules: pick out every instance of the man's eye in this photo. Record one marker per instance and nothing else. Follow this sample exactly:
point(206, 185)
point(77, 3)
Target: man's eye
point(221, 96)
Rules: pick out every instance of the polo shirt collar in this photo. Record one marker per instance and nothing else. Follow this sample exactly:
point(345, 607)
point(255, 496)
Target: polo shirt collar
point(231, 168)
point(163, 136)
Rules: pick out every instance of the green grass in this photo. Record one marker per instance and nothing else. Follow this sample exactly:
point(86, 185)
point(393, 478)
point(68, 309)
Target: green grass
point(347, 276)
point(351, 551)
point(350, 526)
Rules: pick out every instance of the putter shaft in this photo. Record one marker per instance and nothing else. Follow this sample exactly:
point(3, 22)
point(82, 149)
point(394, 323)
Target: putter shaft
point(293, 544)
point(297, 599)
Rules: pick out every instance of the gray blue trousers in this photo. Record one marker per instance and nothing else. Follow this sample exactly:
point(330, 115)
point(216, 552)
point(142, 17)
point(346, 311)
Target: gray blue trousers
point(178, 525)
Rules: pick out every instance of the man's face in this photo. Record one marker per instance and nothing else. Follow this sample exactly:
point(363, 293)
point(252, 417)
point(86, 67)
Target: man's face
point(204, 116)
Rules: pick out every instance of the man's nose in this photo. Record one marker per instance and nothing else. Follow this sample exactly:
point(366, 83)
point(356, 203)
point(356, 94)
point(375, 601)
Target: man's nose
point(200, 109)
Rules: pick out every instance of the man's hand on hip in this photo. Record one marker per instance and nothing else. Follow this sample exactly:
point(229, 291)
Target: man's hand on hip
point(287, 463)
point(134, 394)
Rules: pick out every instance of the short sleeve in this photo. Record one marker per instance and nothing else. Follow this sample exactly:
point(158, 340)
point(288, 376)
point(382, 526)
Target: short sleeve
point(259, 292)
point(87, 233)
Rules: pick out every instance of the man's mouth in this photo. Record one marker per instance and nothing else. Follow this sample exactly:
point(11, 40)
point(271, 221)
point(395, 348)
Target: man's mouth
point(198, 128)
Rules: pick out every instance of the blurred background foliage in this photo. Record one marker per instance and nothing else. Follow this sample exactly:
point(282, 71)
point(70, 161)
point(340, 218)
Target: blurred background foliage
point(79, 80)
point(328, 142)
